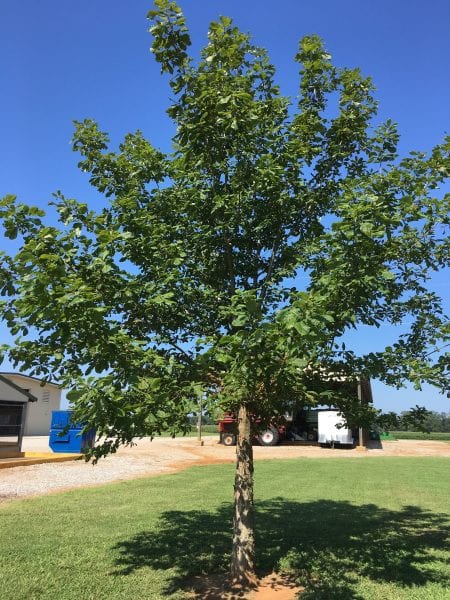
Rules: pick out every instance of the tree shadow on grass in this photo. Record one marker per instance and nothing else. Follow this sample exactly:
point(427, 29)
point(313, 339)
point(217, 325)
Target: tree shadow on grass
point(327, 545)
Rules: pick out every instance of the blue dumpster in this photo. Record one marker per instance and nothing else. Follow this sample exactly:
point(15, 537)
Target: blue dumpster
point(68, 436)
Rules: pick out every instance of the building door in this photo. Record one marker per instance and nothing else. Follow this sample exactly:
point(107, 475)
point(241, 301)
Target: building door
point(11, 424)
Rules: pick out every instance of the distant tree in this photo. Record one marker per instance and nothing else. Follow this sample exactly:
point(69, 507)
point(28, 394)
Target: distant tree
point(184, 284)
point(414, 419)
point(445, 422)
point(389, 421)
point(424, 421)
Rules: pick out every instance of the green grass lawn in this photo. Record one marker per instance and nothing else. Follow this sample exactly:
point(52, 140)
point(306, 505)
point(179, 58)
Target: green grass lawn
point(206, 430)
point(352, 528)
point(421, 435)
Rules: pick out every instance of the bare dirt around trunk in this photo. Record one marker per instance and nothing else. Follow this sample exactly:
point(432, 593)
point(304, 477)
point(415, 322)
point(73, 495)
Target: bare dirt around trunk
point(216, 587)
point(167, 455)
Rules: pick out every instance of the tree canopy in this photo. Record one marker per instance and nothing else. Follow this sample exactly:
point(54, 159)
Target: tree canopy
point(187, 283)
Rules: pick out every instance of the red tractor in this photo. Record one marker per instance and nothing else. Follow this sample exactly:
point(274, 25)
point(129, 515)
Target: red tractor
point(228, 432)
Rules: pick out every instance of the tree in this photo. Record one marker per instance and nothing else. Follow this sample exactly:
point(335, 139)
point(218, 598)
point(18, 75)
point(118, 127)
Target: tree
point(428, 421)
point(416, 419)
point(186, 283)
point(437, 422)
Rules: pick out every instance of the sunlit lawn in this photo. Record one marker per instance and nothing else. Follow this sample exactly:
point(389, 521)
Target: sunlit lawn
point(352, 528)
point(206, 430)
point(418, 435)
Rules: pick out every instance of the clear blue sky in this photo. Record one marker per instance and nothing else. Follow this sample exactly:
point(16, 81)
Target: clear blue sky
point(62, 60)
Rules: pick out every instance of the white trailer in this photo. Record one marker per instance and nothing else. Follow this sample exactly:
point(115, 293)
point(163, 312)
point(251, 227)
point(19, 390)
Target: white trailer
point(331, 429)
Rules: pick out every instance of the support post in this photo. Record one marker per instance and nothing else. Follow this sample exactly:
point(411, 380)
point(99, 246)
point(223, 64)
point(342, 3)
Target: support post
point(361, 446)
point(199, 420)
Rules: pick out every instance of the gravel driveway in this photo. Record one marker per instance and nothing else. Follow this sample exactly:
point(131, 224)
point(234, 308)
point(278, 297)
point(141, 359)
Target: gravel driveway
point(165, 455)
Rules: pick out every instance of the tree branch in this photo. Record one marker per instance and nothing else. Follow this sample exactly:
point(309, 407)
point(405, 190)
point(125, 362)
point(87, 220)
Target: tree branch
point(270, 268)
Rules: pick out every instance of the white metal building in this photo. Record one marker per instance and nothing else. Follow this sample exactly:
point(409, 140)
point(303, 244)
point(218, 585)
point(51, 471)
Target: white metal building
point(39, 413)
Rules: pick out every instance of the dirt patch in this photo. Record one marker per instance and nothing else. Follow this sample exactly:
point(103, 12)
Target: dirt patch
point(217, 587)
point(213, 453)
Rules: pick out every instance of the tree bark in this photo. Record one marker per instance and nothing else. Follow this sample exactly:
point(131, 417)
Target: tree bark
point(243, 552)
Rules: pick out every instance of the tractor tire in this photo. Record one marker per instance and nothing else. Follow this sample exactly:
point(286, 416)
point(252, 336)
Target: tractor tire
point(229, 439)
point(270, 437)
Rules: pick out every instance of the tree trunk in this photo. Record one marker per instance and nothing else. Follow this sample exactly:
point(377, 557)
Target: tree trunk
point(243, 552)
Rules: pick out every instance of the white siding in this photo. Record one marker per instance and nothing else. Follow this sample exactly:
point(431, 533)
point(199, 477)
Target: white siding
point(39, 413)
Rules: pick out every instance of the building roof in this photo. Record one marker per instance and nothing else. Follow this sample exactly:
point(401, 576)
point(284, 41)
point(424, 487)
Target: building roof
point(30, 397)
point(8, 374)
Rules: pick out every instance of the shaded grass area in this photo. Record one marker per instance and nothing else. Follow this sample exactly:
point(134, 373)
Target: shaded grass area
point(346, 528)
